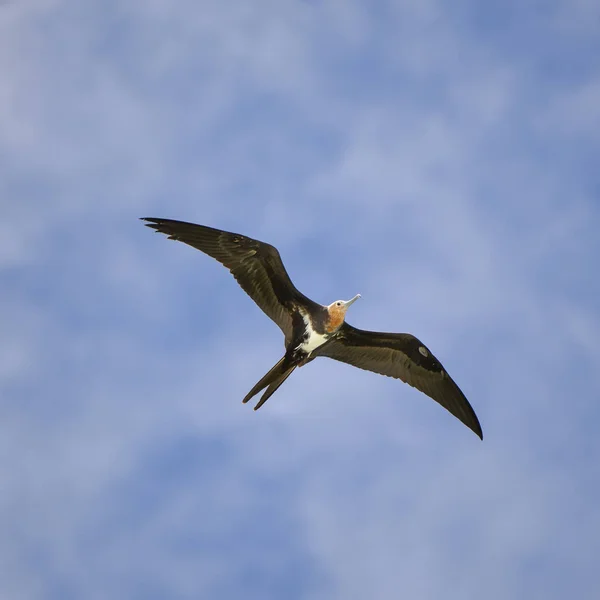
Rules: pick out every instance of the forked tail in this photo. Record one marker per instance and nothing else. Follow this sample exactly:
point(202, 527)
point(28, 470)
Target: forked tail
point(272, 380)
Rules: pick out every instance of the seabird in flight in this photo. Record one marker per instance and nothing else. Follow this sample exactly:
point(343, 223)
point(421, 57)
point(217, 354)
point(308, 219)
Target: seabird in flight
point(311, 329)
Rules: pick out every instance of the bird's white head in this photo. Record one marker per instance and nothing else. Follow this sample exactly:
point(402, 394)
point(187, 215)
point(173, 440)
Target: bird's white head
point(337, 313)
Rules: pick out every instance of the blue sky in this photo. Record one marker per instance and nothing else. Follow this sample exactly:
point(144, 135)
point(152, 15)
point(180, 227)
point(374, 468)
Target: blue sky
point(440, 160)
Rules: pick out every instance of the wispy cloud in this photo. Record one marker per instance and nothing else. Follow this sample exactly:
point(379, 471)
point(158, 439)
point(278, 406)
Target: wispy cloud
point(439, 161)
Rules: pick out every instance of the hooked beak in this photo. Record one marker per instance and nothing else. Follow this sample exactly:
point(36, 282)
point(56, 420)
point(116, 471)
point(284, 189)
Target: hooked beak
point(349, 302)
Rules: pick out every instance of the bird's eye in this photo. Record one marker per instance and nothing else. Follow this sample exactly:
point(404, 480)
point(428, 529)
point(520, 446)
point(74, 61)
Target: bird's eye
point(338, 303)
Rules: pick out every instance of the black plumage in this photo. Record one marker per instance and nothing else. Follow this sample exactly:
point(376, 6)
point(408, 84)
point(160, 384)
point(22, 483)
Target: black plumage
point(311, 329)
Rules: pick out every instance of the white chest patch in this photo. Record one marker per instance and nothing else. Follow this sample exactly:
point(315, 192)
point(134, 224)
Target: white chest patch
point(314, 339)
point(313, 342)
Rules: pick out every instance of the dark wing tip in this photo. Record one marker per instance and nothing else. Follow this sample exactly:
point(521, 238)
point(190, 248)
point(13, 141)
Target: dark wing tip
point(462, 409)
point(470, 420)
point(454, 401)
point(152, 222)
point(161, 226)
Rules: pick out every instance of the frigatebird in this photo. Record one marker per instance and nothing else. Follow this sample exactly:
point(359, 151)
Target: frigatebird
point(311, 329)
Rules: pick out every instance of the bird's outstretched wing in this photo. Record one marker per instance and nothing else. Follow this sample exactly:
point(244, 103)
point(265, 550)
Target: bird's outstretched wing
point(404, 357)
point(256, 266)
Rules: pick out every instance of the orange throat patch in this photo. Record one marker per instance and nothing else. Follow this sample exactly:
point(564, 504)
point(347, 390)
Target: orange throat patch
point(336, 318)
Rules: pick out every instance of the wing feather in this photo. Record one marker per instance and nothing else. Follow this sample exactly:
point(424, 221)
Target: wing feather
point(404, 357)
point(256, 266)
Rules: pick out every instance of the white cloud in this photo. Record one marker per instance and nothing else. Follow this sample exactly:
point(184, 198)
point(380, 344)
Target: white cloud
point(382, 152)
